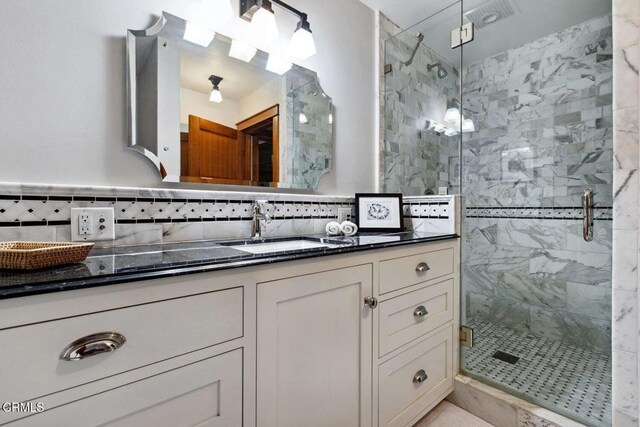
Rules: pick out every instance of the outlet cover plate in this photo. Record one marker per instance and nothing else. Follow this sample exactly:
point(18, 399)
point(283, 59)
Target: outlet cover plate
point(100, 226)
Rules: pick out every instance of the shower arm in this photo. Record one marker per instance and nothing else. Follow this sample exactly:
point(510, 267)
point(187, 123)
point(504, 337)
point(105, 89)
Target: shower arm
point(415, 50)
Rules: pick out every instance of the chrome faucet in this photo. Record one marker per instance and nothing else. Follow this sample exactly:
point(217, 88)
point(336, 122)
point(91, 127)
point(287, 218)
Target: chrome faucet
point(259, 215)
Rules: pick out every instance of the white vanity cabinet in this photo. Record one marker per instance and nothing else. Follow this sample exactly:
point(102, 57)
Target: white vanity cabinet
point(314, 349)
point(361, 339)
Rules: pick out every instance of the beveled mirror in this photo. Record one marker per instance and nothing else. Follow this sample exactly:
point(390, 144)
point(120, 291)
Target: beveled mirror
point(202, 116)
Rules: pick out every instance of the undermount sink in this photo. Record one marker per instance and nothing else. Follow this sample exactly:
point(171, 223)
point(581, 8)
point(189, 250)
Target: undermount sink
point(282, 246)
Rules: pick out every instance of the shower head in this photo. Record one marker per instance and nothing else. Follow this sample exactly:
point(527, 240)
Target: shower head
point(442, 73)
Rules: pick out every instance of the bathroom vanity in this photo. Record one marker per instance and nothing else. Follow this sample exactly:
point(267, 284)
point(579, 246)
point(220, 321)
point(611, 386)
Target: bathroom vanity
point(361, 331)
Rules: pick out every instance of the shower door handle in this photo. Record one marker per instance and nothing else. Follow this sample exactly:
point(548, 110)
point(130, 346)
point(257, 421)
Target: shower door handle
point(587, 215)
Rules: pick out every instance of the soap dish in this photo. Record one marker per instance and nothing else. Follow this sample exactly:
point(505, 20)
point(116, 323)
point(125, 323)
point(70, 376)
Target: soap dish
point(35, 255)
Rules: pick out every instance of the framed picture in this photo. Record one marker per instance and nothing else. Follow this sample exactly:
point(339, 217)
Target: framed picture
point(379, 212)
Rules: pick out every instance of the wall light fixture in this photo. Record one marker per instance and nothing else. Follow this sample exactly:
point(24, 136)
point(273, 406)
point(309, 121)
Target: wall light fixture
point(260, 13)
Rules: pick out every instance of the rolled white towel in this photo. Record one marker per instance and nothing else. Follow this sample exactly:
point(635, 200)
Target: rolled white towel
point(348, 228)
point(333, 228)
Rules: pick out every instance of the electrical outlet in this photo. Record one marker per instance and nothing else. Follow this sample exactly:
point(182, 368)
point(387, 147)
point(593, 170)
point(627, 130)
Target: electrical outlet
point(84, 224)
point(92, 224)
point(343, 214)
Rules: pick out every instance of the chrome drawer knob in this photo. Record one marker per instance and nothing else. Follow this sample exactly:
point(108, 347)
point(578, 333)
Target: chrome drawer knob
point(420, 376)
point(423, 267)
point(371, 302)
point(92, 345)
point(420, 312)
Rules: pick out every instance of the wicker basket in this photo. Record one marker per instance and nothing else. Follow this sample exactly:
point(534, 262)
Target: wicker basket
point(34, 255)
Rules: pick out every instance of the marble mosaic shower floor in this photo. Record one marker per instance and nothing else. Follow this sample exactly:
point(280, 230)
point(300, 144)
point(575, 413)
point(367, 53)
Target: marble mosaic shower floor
point(567, 379)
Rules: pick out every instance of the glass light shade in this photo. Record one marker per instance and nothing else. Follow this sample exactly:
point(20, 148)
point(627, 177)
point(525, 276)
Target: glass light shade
point(215, 96)
point(468, 126)
point(242, 50)
point(210, 15)
point(199, 34)
point(263, 27)
point(302, 45)
point(452, 116)
point(278, 63)
point(303, 119)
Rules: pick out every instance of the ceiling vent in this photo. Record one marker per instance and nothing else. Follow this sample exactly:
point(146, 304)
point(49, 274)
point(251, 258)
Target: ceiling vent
point(491, 12)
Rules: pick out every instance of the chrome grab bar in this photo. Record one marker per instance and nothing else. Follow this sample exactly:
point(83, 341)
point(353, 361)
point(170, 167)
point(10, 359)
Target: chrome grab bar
point(587, 215)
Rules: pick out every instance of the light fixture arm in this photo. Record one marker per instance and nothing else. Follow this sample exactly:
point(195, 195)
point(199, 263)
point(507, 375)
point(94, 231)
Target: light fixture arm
point(249, 7)
point(301, 15)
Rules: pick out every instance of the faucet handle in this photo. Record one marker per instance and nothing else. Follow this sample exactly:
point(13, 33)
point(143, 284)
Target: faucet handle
point(260, 206)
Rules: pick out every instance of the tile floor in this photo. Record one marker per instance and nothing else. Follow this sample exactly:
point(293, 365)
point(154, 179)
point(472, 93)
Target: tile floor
point(566, 379)
point(447, 414)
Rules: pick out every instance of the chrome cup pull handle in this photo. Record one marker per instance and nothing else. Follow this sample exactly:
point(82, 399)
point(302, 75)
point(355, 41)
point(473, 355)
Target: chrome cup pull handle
point(420, 312)
point(587, 215)
point(423, 267)
point(420, 377)
point(92, 345)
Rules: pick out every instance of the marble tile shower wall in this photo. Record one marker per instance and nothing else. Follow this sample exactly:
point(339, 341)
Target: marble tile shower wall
point(540, 277)
point(626, 96)
point(415, 161)
point(543, 118)
point(544, 133)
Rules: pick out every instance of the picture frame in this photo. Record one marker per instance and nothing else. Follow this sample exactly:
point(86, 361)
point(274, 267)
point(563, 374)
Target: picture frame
point(379, 212)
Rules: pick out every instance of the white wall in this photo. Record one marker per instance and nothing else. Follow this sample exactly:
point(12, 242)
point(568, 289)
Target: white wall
point(63, 98)
point(264, 97)
point(198, 104)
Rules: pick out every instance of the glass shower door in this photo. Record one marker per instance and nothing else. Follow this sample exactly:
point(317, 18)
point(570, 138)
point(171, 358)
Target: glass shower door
point(421, 90)
point(537, 84)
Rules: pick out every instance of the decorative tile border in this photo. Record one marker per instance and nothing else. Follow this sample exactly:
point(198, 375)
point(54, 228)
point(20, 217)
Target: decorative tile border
point(29, 210)
point(536, 212)
point(434, 210)
point(146, 216)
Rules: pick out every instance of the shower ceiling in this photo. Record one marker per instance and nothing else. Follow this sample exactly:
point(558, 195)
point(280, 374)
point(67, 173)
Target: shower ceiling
point(531, 20)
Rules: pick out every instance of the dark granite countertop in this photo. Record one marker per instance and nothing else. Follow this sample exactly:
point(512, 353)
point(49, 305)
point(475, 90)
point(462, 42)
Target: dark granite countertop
point(134, 263)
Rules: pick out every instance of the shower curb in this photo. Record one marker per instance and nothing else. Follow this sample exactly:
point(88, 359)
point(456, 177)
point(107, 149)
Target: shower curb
point(503, 409)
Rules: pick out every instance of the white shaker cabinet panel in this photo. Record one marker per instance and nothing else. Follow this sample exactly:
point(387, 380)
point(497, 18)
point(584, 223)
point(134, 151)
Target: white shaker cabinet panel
point(314, 353)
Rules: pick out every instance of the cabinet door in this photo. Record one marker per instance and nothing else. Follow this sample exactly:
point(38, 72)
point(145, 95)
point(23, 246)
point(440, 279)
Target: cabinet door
point(314, 350)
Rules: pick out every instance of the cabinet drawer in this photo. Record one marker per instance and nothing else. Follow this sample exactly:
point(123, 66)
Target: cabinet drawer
point(399, 273)
point(409, 316)
point(401, 398)
point(153, 332)
point(203, 393)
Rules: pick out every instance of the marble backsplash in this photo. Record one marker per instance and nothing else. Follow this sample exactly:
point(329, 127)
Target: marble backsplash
point(147, 216)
